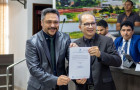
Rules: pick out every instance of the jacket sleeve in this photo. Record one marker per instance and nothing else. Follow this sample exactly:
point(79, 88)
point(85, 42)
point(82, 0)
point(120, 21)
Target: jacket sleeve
point(67, 48)
point(139, 45)
point(34, 66)
point(110, 57)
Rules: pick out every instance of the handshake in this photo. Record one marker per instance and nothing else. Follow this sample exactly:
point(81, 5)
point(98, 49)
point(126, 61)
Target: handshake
point(64, 80)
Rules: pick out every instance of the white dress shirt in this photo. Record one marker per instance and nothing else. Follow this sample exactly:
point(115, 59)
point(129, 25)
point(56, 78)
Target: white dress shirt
point(122, 49)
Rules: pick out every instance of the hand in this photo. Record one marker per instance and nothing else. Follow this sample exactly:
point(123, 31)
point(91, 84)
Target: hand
point(125, 18)
point(94, 51)
point(73, 45)
point(81, 81)
point(63, 80)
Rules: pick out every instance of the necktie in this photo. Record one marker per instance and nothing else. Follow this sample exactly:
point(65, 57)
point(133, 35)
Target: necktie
point(125, 49)
point(52, 53)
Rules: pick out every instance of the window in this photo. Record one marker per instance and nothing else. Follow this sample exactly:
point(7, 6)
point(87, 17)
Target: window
point(3, 25)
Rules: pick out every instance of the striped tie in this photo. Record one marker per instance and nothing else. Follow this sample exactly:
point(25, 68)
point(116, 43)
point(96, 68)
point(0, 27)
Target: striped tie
point(125, 49)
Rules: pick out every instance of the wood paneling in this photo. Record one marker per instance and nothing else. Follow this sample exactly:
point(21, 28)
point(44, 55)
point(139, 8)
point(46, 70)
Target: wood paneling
point(5, 61)
point(125, 80)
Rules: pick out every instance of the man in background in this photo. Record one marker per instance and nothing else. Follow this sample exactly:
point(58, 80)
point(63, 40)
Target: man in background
point(66, 3)
point(128, 15)
point(102, 28)
point(128, 43)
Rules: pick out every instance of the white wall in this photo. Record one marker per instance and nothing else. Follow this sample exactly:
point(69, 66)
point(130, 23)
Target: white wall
point(17, 38)
point(30, 14)
point(20, 29)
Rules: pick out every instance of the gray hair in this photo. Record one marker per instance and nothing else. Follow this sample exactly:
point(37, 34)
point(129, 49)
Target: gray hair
point(86, 13)
point(49, 10)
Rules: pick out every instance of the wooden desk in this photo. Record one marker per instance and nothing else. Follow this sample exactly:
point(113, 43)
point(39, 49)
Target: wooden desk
point(6, 60)
point(126, 78)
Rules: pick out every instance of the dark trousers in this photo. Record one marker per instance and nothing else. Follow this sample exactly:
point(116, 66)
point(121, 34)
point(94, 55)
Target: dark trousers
point(103, 86)
point(57, 88)
point(85, 87)
point(63, 87)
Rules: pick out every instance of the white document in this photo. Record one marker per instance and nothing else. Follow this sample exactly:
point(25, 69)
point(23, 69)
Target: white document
point(79, 63)
point(137, 67)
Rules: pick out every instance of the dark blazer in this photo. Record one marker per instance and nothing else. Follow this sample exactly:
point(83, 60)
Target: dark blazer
point(134, 48)
point(101, 74)
point(39, 61)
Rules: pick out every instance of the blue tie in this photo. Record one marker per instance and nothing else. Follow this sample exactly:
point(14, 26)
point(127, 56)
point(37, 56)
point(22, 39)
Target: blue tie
point(125, 49)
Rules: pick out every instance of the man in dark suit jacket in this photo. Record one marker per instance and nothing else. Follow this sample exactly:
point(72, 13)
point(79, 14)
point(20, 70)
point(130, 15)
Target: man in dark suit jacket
point(103, 55)
point(133, 48)
point(45, 55)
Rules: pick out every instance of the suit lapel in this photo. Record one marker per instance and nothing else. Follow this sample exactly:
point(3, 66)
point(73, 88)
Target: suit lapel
point(45, 46)
point(81, 43)
point(58, 42)
point(131, 45)
point(96, 42)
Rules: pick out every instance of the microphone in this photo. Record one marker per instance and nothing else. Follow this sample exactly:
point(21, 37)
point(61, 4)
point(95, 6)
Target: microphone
point(62, 24)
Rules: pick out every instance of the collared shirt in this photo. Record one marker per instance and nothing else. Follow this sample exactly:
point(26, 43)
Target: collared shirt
point(111, 36)
point(133, 17)
point(88, 40)
point(88, 44)
point(122, 49)
point(47, 39)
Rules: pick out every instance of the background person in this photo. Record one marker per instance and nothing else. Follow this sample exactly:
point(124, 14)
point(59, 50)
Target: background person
point(102, 28)
point(65, 2)
point(132, 41)
point(128, 15)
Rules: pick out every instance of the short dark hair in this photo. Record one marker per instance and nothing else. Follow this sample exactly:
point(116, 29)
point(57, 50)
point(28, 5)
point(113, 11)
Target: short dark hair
point(127, 23)
point(130, 2)
point(102, 23)
point(49, 10)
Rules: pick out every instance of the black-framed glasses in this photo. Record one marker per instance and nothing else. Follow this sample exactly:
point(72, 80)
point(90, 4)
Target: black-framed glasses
point(88, 24)
point(49, 22)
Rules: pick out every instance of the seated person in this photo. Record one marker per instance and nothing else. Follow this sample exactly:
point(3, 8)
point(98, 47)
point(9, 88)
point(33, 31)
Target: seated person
point(102, 28)
point(68, 3)
point(128, 15)
point(129, 43)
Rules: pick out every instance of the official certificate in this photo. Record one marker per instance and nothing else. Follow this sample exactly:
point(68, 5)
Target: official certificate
point(79, 63)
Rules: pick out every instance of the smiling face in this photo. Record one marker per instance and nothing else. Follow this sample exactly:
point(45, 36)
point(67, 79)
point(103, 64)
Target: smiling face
point(50, 24)
point(88, 26)
point(126, 32)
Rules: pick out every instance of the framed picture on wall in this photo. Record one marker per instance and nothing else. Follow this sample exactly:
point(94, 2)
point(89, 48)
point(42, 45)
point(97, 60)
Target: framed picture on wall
point(101, 9)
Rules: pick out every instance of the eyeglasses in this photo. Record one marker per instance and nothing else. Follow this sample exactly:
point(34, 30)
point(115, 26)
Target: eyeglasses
point(88, 24)
point(49, 22)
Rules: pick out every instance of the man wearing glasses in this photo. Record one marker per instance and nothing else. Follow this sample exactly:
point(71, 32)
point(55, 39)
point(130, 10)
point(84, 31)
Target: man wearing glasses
point(103, 55)
point(45, 55)
point(128, 15)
